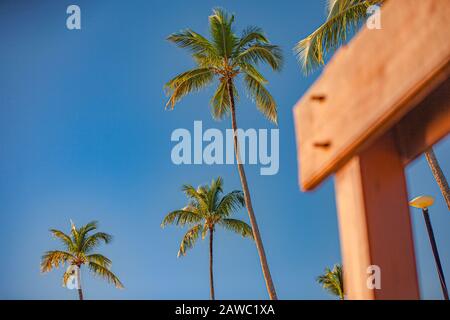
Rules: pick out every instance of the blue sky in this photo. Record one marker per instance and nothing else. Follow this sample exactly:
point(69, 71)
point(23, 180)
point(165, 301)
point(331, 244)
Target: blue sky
point(84, 136)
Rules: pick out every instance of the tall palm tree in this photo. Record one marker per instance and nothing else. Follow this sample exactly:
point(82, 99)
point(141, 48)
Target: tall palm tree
point(438, 175)
point(78, 251)
point(206, 209)
point(333, 281)
point(224, 57)
point(344, 18)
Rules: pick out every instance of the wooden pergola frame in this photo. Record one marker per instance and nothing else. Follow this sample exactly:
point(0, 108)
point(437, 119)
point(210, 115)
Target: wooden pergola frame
point(380, 102)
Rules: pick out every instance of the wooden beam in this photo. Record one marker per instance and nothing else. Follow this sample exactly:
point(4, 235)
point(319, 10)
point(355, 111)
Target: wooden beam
point(425, 125)
point(370, 84)
point(374, 222)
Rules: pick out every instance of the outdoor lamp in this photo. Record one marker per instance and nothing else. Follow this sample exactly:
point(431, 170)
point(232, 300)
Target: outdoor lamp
point(424, 202)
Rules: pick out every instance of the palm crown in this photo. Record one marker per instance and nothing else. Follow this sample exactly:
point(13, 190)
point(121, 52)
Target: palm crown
point(78, 251)
point(333, 281)
point(344, 16)
point(205, 210)
point(224, 57)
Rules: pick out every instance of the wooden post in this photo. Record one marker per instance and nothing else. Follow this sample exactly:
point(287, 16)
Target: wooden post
point(374, 222)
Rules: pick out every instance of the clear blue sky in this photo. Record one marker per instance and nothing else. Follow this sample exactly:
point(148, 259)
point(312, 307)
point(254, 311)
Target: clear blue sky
point(84, 135)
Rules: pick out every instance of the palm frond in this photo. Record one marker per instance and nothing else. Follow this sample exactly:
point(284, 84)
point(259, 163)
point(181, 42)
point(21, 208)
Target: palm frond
point(263, 99)
point(105, 273)
point(197, 196)
point(330, 5)
point(99, 259)
point(208, 61)
point(237, 226)
point(220, 102)
point(248, 68)
point(81, 234)
point(187, 82)
point(193, 41)
point(67, 241)
point(53, 259)
point(261, 53)
point(220, 25)
point(181, 218)
point(344, 17)
point(333, 281)
point(94, 240)
point(250, 35)
point(214, 192)
point(230, 202)
point(90, 226)
point(189, 239)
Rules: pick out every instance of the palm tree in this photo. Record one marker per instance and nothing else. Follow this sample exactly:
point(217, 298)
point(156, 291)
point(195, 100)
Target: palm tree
point(206, 209)
point(78, 251)
point(333, 281)
point(344, 18)
point(225, 57)
point(438, 175)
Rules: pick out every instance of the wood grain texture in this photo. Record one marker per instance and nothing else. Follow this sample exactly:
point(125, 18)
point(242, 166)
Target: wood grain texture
point(370, 84)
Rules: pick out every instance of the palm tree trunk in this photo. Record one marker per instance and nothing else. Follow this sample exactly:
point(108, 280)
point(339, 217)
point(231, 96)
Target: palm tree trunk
point(438, 175)
point(248, 202)
point(80, 291)
point(211, 276)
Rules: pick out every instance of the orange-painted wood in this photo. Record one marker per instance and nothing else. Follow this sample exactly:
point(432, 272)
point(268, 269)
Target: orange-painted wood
point(374, 222)
point(425, 125)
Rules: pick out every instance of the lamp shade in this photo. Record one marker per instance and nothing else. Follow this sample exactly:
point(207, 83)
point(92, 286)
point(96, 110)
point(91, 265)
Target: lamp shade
point(422, 202)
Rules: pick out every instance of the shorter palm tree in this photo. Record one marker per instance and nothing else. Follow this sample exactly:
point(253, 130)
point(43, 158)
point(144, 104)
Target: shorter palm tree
point(333, 281)
point(78, 252)
point(206, 209)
